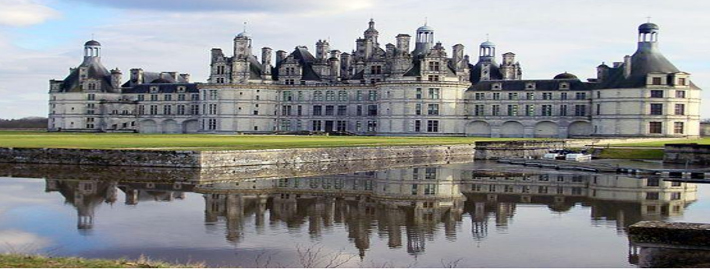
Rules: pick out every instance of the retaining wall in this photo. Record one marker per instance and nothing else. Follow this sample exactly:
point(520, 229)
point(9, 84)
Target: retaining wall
point(516, 149)
point(687, 153)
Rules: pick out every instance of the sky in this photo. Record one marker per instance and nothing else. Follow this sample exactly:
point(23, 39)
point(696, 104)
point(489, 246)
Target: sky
point(41, 39)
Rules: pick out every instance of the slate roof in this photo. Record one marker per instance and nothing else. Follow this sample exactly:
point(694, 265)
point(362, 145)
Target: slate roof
point(95, 69)
point(647, 59)
point(162, 88)
point(540, 85)
point(475, 75)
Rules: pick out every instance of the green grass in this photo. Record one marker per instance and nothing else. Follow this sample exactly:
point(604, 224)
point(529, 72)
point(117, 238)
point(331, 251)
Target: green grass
point(646, 154)
point(702, 141)
point(22, 139)
point(37, 261)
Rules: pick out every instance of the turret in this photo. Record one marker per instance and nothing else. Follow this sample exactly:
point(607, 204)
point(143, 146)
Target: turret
point(137, 76)
point(487, 51)
point(266, 60)
point(92, 50)
point(242, 45)
point(322, 48)
point(425, 40)
point(371, 33)
point(280, 56)
point(602, 72)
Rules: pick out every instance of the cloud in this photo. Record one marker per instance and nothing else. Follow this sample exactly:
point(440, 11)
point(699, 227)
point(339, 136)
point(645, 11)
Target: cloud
point(242, 6)
point(15, 241)
point(25, 13)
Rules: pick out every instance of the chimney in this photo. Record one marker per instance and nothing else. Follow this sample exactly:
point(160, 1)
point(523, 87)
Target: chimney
point(137, 76)
point(627, 66)
point(334, 68)
point(457, 57)
point(403, 43)
point(266, 56)
point(389, 50)
point(116, 78)
point(280, 56)
point(173, 76)
point(345, 64)
point(185, 77)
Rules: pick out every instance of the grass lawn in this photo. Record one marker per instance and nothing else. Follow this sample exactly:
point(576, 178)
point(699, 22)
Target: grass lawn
point(702, 141)
point(637, 154)
point(22, 139)
point(36, 261)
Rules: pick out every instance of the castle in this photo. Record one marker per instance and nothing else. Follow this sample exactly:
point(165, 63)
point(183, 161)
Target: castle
point(376, 90)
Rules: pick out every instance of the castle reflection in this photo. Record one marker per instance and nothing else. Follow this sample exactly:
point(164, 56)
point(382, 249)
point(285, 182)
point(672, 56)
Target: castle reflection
point(409, 206)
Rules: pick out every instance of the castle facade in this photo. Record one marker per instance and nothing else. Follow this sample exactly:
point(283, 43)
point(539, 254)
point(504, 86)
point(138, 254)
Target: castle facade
point(382, 90)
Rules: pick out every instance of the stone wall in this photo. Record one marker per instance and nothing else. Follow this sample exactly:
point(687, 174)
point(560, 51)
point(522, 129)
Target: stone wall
point(705, 129)
point(104, 157)
point(580, 143)
point(516, 149)
point(687, 153)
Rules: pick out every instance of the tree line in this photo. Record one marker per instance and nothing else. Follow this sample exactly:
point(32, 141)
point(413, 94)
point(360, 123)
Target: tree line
point(29, 122)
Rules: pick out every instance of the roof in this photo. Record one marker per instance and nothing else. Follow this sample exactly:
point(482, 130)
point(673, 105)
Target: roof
point(92, 43)
point(648, 27)
point(565, 75)
point(521, 85)
point(488, 44)
point(425, 28)
point(95, 70)
point(162, 88)
point(305, 59)
point(475, 75)
point(156, 77)
point(647, 59)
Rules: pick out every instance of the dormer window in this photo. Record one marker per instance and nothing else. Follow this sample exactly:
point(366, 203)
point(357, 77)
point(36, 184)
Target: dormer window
point(154, 89)
point(496, 86)
point(530, 86)
point(564, 86)
point(181, 89)
point(434, 66)
point(681, 82)
point(656, 81)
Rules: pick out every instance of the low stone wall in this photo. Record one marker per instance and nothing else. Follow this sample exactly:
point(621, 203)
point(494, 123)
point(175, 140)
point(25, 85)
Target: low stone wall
point(580, 143)
point(656, 233)
point(100, 157)
point(687, 153)
point(516, 149)
point(312, 155)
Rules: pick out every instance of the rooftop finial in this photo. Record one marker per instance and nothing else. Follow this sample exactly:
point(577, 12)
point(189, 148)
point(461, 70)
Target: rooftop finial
point(92, 36)
point(648, 19)
point(426, 20)
point(245, 26)
point(487, 37)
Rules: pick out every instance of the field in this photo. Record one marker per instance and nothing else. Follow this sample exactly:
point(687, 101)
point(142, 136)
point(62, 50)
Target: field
point(21, 139)
point(702, 141)
point(37, 261)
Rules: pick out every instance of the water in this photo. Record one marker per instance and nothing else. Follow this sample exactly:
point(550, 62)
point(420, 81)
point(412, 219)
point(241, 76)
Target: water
point(479, 214)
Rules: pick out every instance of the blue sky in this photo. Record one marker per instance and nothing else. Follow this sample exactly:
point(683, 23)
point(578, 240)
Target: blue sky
point(41, 39)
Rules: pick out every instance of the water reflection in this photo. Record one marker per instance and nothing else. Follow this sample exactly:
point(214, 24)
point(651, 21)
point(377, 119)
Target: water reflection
point(409, 207)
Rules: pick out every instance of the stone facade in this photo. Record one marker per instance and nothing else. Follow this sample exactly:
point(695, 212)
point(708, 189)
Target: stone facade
point(687, 153)
point(383, 90)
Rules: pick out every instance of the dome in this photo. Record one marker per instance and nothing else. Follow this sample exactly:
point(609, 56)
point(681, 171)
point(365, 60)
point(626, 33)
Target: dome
point(565, 75)
point(244, 34)
point(425, 28)
point(648, 27)
point(92, 43)
point(488, 44)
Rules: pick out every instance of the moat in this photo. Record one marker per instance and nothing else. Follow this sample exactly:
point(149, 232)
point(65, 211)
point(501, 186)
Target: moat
point(481, 214)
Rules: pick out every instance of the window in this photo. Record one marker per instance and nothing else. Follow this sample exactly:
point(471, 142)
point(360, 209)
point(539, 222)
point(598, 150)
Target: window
point(530, 96)
point(167, 110)
point(372, 126)
point(547, 110)
point(433, 109)
point(681, 81)
point(141, 97)
point(480, 96)
point(432, 126)
point(341, 125)
point(359, 95)
point(342, 96)
point(657, 94)
point(675, 195)
point(419, 93)
point(195, 109)
point(512, 95)
point(376, 69)
point(359, 110)
point(213, 109)
point(168, 97)
point(655, 127)
point(563, 96)
point(580, 95)
point(580, 110)
point(512, 110)
point(181, 109)
point(317, 110)
point(678, 127)
point(496, 96)
point(316, 125)
point(141, 110)
point(195, 97)
point(680, 109)
point(656, 81)
point(433, 78)
point(679, 94)
point(212, 124)
point(652, 196)
point(287, 96)
point(372, 95)
point(434, 93)
point(417, 126)
point(563, 110)
point(299, 110)
point(91, 97)
point(181, 97)
point(213, 94)
point(656, 109)
point(329, 110)
point(529, 110)
point(546, 96)
point(153, 110)
point(318, 96)
point(653, 182)
point(154, 97)
point(418, 109)
point(342, 111)
point(495, 110)
point(479, 110)
point(330, 96)
point(286, 110)
point(372, 110)
point(434, 66)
